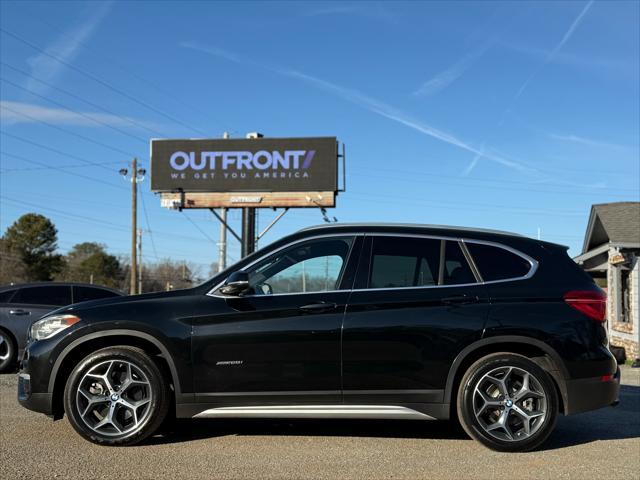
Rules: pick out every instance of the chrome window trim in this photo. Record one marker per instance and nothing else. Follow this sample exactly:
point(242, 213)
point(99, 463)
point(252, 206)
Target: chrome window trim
point(354, 235)
point(463, 241)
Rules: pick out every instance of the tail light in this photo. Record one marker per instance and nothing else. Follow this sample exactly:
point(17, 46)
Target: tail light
point(592, 303)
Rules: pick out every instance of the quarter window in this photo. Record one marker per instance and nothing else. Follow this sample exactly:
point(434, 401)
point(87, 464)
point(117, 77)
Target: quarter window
point(314, 266)
point(495, 263)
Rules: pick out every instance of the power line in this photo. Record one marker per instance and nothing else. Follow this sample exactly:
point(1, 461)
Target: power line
point(198, 227)
point(412, 174)
point(86, 219)
point(82, 114)
point(69, 132)
point(58, 167)
point(100, 81)
point(146, 217)
point(64, 154)
point(440, 183)
point(62, 170)
point(460, 206)
point(129, 71)
point(88, 102)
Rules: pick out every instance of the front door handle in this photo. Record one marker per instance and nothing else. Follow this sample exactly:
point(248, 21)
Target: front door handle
point(461, 300)
point(318, 307)
point(19, 311)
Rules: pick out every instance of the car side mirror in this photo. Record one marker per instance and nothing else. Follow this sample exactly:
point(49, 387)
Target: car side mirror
point(236, 284)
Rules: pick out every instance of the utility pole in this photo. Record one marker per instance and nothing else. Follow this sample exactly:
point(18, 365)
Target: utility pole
point(139, 260)
point(136, 175)
point(134, 225)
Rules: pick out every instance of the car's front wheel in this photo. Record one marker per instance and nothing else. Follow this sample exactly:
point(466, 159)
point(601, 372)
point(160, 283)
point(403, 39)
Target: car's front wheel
point(507, 402)
point(7, 351)
point(116, 396)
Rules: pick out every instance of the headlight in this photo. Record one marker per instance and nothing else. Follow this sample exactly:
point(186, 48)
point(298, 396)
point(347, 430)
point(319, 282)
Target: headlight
point(49, 326)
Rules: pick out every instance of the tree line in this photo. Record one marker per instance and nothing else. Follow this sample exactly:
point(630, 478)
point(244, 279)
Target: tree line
point(29, 253)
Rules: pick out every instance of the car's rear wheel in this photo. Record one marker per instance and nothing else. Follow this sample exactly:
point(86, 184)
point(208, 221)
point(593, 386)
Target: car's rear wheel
point(116, 396)
point(8, 351)
point(507, 402)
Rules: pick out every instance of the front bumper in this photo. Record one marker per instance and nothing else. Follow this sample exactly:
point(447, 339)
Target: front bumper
point(38, 402)
point(587, 394)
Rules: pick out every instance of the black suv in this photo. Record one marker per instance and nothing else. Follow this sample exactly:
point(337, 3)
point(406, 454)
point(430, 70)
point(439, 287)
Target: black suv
point(499, 331)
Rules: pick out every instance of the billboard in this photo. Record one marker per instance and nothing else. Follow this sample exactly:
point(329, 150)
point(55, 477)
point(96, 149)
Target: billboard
point(245, 165)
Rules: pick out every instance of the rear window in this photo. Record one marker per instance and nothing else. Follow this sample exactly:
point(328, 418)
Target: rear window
point(404, 262)
point(495, 263)
point(47, 295)
point(82, 294)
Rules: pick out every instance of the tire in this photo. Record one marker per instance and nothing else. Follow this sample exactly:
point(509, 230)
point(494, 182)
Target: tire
point(8, 351)
point(116, 396)
point(495, 409)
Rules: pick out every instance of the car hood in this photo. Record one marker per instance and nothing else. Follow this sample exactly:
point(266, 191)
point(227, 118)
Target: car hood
point(91, 304)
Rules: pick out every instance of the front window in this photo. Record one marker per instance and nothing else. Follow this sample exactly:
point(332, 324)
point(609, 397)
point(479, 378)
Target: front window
point(312, 266)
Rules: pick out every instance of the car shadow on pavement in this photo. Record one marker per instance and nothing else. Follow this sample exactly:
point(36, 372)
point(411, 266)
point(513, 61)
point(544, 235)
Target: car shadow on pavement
point(188, 430)
point(608, 423)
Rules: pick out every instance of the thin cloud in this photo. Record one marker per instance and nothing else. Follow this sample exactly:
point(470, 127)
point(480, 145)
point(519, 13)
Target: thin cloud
point(371, 104)
point(376, 11)
point(473, 163)
point(65, 47)
point(589, 142)
point(446, 77)
point(12, 113)
point(565, 38)
point(619, 66)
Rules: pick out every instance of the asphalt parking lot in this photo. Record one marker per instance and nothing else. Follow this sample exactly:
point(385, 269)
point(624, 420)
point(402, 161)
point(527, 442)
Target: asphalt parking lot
point(601, 444)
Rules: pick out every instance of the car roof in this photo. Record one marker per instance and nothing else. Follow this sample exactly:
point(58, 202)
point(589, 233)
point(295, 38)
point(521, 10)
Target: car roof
point(51, 284)
point(387, 226)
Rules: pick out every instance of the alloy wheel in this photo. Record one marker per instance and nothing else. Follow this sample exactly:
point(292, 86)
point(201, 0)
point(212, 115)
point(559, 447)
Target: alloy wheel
point(510, 404)
point(114, 398)
point(5, 348)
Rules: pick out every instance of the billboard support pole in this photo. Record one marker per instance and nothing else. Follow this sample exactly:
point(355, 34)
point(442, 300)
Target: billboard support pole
point(275, 220)
point(222, 244)
point(248, 231)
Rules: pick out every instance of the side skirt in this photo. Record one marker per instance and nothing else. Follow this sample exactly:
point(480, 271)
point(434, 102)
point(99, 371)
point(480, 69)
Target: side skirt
point(313, 411)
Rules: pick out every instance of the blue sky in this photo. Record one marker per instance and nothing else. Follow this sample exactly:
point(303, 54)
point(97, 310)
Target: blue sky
point(508, 115)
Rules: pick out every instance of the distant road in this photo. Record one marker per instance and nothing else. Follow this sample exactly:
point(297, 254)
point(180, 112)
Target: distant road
point(604, 444)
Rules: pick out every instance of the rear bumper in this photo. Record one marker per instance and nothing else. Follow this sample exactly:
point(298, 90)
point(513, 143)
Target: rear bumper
point(38, 402)
point(587, 394)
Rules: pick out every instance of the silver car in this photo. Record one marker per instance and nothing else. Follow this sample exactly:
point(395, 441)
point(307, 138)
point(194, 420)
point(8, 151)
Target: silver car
point(21, 305)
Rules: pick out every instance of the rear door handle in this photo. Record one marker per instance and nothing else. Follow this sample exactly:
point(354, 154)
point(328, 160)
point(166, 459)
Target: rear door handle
point(460, 300)
point(318, 307)
point(19, 311)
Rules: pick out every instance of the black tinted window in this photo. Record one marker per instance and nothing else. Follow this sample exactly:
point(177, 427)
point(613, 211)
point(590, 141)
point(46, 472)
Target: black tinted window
point(456, 268)
point(6, 296)
point(404, 262)
point(497, 263)
point(82, 294)
point(46, 295)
